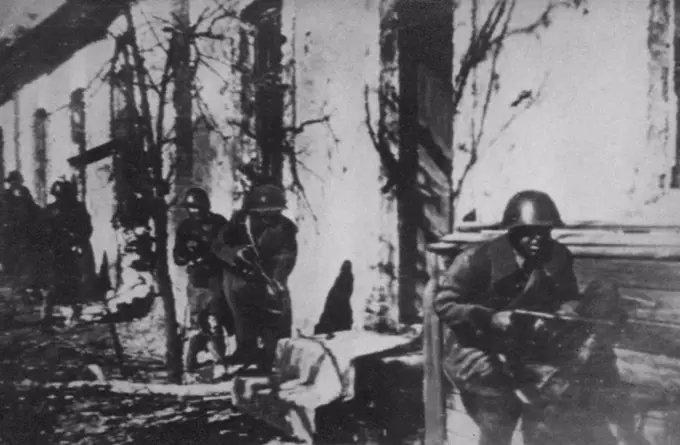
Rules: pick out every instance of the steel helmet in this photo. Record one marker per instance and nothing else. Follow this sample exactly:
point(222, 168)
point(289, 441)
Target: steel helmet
point(531, 208)
point(265, 199)
point(60, 188)
point(15, 176)
point(196, 198)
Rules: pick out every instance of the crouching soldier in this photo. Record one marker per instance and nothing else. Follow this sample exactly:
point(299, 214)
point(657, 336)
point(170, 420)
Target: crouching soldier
point(72, 269)
point(259, 249)
point(521, 269)
point(207, 308)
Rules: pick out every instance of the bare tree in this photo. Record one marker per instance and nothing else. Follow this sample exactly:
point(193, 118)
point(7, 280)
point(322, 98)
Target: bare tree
point(155, 83)
point(488, 35)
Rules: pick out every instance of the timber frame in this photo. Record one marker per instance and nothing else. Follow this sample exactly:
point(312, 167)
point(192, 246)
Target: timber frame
point(642, 260)
point(73, 26)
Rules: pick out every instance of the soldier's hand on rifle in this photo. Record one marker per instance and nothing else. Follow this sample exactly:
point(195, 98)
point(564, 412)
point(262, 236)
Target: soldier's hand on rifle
point(196, 261)
point(192, 246)
point(501, 320)
point(568, 309)
point(247, 255)
point(275, 288)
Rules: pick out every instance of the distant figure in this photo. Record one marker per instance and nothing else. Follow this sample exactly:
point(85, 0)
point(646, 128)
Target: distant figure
point(337, 312)
point(19, 216)
point(72, 270)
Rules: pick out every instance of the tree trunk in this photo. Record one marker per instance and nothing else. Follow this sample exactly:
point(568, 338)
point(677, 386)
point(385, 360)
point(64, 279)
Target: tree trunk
point(184, 168)
point(173, 342)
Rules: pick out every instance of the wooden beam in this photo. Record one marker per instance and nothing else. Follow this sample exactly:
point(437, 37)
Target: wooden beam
point(94, 154)
point(433, 382)
point(72, 26)
point(125, 387)
point(661, 245)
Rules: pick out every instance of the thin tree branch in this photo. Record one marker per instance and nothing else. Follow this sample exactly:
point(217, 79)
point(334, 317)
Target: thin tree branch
point(388, 160)
point(493, 75)
point(140, 69)
point(298, 129)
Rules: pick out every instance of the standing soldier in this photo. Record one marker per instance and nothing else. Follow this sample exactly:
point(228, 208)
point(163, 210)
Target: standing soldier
point(207, 307)
point(259, 247)
point(522, 269)
point(19, 215)
point(70, 227)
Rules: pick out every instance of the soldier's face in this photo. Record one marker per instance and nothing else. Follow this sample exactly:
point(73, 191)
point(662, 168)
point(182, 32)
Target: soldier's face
point(194, 212)
point(266, 218)
point(532, 242)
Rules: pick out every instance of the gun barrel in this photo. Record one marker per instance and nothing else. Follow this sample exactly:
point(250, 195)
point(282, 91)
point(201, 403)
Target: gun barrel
point(634, 321)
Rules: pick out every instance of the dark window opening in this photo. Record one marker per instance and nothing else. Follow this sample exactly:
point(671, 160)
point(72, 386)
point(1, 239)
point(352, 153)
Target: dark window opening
point(2, 159)
point(78, 135)
point(269, 91)
point(424, 38)
point(40, 154)
point(675, 171)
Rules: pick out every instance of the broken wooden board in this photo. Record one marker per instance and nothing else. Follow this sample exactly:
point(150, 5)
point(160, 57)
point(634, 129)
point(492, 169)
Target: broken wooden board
point(222, 389)
point(659, 245)
point(310, 372)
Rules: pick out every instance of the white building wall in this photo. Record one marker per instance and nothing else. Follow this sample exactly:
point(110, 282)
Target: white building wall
point(585, 141)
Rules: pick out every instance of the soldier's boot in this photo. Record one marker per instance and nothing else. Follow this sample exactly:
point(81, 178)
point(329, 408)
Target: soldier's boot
point(270, 339)
point(194, 343)
point(217, 347)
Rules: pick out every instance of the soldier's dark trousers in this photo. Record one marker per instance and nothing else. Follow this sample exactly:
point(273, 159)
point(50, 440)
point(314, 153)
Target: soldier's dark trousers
point(247, 302)
point(497, 418)
point(206, 312)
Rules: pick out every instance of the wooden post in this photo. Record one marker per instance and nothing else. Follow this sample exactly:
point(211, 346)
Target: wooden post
point(433, 388)
point(17, 132)
point(2, 159)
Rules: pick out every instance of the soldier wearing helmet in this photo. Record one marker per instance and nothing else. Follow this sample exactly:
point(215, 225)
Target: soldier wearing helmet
point(522, 269)
point(259, 249)
point(18, 215)
point(208, 312)
point(70, 228)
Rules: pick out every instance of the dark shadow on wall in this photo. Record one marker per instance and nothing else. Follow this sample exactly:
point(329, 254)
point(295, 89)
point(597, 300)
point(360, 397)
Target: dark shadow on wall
point(337, 312)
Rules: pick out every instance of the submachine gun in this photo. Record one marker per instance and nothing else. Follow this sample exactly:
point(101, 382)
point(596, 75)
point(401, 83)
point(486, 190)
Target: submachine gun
point(276, 292)
point(544, 352)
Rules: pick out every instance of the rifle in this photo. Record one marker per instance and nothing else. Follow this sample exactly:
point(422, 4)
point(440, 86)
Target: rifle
point(275, 289)
point(596, 321)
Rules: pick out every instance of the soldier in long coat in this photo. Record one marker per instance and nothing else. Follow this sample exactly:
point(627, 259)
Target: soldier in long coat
point(20, 222)
point(72, 268)
point(525, 269)
point(522, 269)
point(259, 251)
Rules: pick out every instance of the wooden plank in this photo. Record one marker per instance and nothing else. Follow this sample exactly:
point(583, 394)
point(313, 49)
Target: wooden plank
point(652, 299)
point(591, 238)
point(581, 225)
point(631, 273)
point(433, 388)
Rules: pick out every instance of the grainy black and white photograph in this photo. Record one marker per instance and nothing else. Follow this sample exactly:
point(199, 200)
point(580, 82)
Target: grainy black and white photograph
point(339, 222)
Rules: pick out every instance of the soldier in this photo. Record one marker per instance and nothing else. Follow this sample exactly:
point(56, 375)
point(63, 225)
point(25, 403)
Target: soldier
point(522, 269)
point(70, 227)
point(19, 215)
point(207, 308)
point(259, 248)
